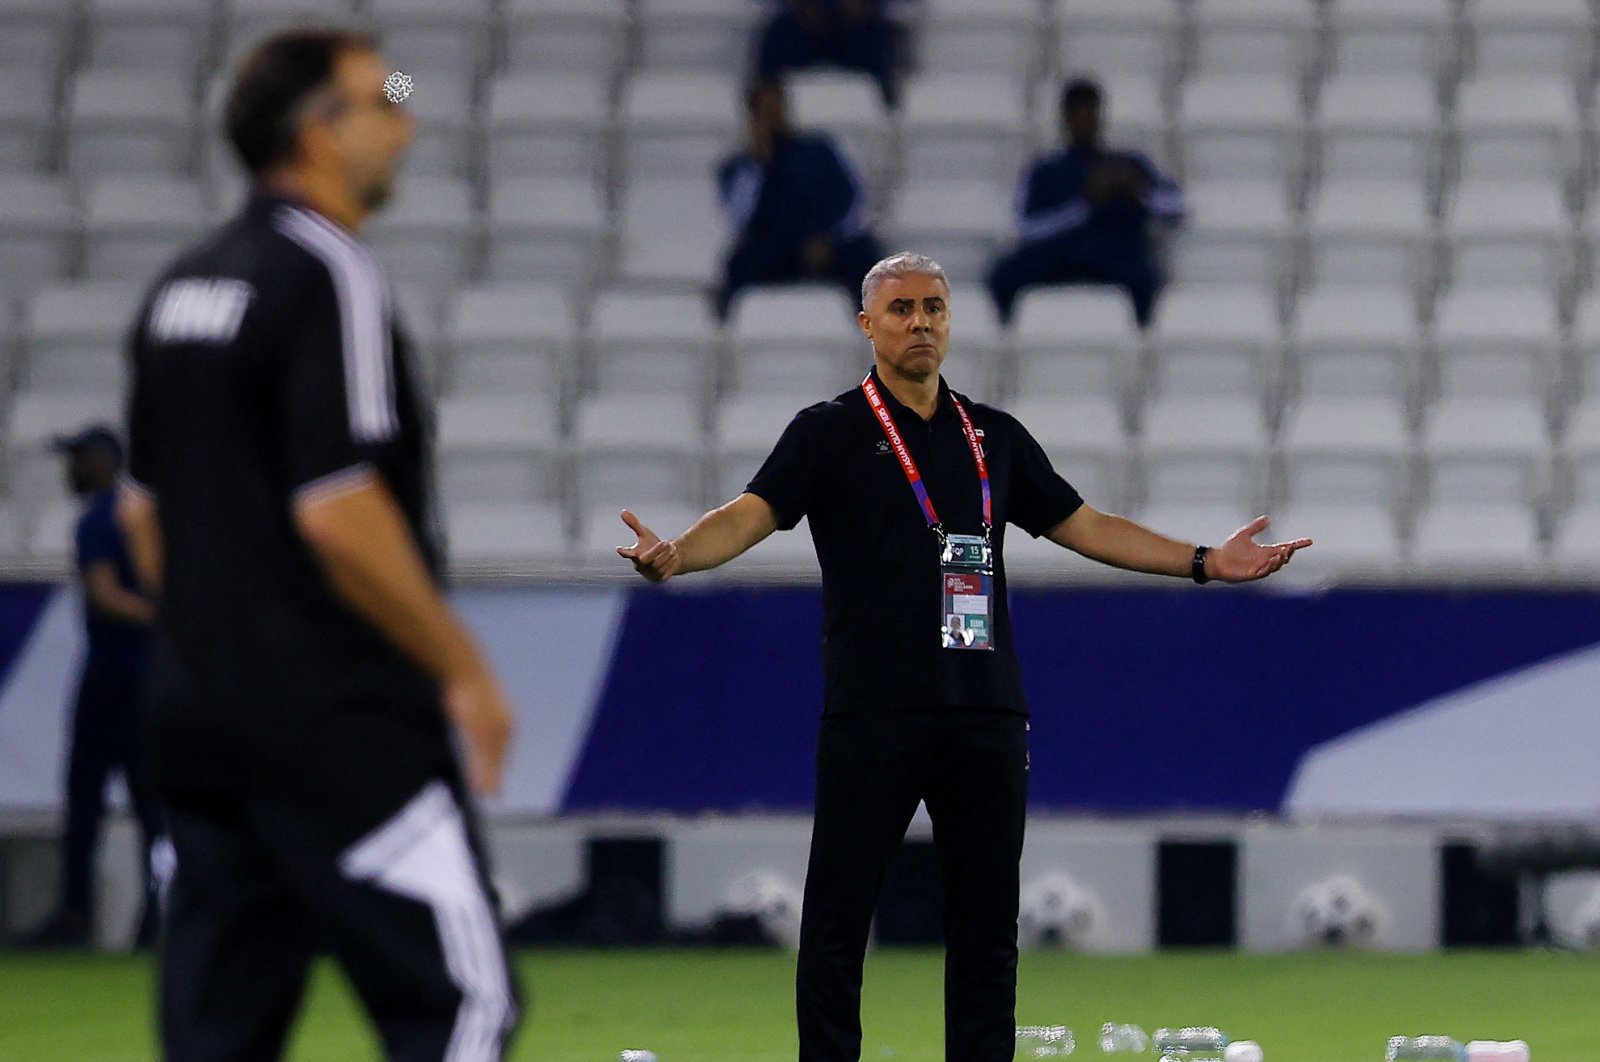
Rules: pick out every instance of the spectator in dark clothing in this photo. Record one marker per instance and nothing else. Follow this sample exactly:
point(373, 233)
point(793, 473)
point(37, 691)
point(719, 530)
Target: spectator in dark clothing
point(850, 34)
point(117, 619)
point(795, 203)
point(1084, 214)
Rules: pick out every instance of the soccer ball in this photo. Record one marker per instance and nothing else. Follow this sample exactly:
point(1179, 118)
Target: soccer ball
point(1056, 912)
point(1338, 912)
point(772, 900)
point(1587, 923)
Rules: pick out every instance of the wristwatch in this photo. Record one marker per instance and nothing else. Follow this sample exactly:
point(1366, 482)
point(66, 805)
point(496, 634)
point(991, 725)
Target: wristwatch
point(1197, 567)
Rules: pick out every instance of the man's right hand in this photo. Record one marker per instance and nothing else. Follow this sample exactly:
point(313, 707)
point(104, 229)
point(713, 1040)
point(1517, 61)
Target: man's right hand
point(483, 717)
point(652, 558)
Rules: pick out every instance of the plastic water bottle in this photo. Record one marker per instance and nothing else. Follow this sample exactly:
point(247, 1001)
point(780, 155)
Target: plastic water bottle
point(1115, 1037)
point(1044, 1041)
point(1497, 1051)
point(1402, 1048)
point(1191, 1043)
point(636, 1055)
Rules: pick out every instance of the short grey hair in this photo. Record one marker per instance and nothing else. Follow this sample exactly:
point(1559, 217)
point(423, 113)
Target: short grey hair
point(900, 264)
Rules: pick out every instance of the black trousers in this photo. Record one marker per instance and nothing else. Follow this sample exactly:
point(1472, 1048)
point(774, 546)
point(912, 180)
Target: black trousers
point(264, 883)
point(970, 768)
point(105, 724)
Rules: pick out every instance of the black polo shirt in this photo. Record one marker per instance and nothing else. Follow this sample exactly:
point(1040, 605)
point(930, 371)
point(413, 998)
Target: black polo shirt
point(267, 363)
point(880, 560)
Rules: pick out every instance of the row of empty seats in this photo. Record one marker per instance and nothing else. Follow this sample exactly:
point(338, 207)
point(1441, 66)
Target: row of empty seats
point(668, 234)
point(1339, 341)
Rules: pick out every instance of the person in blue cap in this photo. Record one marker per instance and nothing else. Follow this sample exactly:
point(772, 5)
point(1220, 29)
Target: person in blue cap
point(117, 618)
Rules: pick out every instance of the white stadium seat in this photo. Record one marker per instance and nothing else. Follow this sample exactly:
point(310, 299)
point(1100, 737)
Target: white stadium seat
point(34, 37)
point(1352, 452)
point(1381, 37)
point(428, 233)
point(135, 226)
point(1236, 231)
point(1453, 539)
point(434, 40)
point(577, 35)
point(1379, 127)
point(634, 448)
point(981, 363)
point(1510, 232)
point(847, 105)
point(1517, 35)
point(510, 337)
point(1077, 341)
point(653, 343)
point(548, 124)
point(964, 126)
point(672, 234)
point(158, 35)
point(551, 229)
point(1371, 232)
point(1242, 127)
point(1086, 441)
point(960, 223)
point(75, 336)
point(27, 118)
point(743, 432)
point(1497, 342)
point(1517, 127)
point(1133, 39)
point(706, 35)
point(679, 124)
point(37, 232)
point(788, 339)
point(487, 536)
point(1217, 339)
point(129, 123)
point(1270, 37)
point(1349, 339)
point(446, 137)
point(982, 36)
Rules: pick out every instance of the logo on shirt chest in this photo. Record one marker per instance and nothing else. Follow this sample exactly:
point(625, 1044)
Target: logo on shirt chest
point(199, 310)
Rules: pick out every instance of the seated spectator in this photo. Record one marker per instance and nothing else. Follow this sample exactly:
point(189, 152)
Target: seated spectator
point(1084, 214)
point(850, 34)
point(795, 203)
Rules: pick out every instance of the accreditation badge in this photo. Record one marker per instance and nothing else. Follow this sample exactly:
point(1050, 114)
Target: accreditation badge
point(966, 575)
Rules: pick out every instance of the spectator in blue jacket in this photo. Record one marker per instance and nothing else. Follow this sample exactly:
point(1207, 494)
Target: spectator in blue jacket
point(849, 34)
point(1084, 214)
point(795, 203)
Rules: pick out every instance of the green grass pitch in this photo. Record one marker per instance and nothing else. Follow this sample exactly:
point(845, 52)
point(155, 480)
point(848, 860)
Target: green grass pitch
point(723, 1006)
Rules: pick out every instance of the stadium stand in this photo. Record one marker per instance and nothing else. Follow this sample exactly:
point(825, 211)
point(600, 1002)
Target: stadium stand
point(1386, 283)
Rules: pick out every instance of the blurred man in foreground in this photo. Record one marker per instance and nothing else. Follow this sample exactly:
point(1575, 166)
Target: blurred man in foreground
point(307, 673)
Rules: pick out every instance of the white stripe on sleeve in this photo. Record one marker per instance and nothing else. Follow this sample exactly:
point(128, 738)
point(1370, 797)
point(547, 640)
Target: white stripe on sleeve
point(363, 318)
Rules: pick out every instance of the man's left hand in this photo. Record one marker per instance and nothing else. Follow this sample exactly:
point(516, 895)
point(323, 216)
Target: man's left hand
point(1242, 559)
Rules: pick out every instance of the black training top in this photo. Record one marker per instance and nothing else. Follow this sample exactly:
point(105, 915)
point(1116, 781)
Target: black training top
point(266, 364)
point(880, 560)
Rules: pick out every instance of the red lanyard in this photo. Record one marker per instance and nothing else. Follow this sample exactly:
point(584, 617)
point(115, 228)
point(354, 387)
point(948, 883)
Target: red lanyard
point(909, 466)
